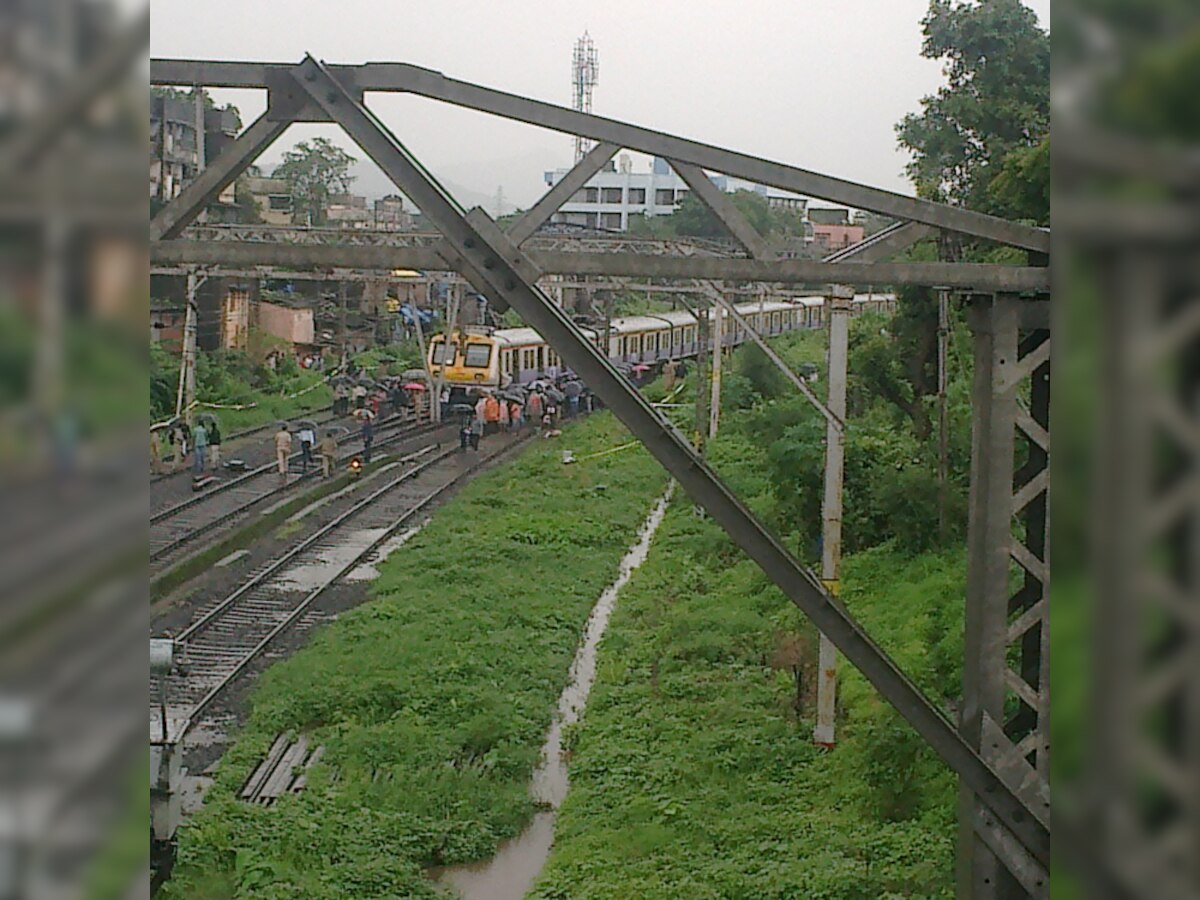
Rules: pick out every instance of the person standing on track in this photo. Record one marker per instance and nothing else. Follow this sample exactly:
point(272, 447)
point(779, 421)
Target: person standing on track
point(214, 445)
point(200, 444)
point(283, 449)
point(155, 454)
point(328, 450)
point(368, 438)
point(308, 440)
point(534, 408)
point(491, 414)
point(480, 413)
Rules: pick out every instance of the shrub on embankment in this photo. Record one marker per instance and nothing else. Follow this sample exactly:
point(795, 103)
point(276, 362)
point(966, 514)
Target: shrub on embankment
point(693, 773)
point(444, 684)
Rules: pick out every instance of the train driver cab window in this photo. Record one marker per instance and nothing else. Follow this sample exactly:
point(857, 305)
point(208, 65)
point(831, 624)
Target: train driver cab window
point(478, 356)
point(443, 355)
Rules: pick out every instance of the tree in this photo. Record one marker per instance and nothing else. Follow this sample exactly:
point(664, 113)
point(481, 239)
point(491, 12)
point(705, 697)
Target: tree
point(996, 100)
point(314, 172)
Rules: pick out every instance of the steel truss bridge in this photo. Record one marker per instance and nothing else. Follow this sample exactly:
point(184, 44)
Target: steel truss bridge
point(999, 744)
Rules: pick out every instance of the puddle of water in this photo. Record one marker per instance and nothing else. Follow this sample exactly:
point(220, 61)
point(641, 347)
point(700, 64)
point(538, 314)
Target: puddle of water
point(511, 872)
point(368, 571)
point(311, 575)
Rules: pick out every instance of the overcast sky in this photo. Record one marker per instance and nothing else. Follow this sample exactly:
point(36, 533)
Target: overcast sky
point(815, 83)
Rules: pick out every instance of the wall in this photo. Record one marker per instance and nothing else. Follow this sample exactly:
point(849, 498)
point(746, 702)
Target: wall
point(292, 325)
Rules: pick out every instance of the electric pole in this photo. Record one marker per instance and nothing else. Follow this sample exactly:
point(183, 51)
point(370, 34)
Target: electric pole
point(185, 396)
point(943, 427)
point(714, 405)
point(837, 304)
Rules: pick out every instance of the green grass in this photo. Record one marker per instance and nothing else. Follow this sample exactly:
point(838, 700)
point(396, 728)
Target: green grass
point(692, 773)
point(446, 682)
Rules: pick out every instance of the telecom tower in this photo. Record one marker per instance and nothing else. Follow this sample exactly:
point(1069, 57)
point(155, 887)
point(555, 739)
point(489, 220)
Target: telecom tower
point(585, 75)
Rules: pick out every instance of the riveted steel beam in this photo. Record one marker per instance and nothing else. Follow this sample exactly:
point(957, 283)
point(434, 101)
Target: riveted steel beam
point(497, 267)
point(540, 213)
point(434, 85)
point(961, 276)
point(884, 244)
point(722, 207)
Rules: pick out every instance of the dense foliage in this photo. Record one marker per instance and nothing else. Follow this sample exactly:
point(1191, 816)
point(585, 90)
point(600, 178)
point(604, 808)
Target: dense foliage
point(238, 378)
point(693, 771)
point(314, 172)
point(444, 685)
point(996, 102)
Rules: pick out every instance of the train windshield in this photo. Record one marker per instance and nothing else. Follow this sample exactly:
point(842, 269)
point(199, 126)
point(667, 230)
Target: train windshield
point(441, 354)
point(478, 356)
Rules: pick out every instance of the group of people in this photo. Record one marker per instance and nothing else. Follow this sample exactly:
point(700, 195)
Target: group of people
point(202, 442)
point(496, 412)
point(313, 453)
point(375, 399)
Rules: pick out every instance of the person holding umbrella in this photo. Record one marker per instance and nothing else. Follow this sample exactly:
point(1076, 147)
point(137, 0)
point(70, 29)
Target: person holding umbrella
point(368, 434)
point(200, 443)
point(572, 389)
point(308, 439)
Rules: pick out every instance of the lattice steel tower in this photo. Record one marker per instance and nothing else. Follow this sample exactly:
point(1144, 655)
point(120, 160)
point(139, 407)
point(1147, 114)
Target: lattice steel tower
point(585, 75)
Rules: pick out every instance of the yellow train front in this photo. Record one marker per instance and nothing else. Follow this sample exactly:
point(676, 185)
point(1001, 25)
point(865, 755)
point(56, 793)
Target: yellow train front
point(470, 359)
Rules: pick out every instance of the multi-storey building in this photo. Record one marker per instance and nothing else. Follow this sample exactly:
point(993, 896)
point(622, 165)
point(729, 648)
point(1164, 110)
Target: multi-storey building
point(616, 194)
point(174, 149)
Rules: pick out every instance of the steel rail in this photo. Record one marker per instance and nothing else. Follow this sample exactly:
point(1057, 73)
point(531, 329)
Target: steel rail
point(311, 597)
point(205, 527)
point(224, 486)
point(245, 433)
point(495, 266)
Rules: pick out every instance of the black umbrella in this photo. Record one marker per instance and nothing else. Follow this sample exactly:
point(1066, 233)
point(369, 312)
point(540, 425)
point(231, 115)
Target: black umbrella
point(554, 394)
point(206, 417)
point(301, 424)
point(572, 388)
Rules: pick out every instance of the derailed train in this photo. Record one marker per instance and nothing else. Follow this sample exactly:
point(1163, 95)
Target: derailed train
point(494, 359)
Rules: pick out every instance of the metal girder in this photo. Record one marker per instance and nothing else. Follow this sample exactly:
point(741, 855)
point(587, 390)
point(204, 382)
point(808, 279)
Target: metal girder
point(1006, 684)
point(540, 213)
point(884, 244)
point(434, 85)
point(207, 186)
point(960, 276)
point(497, 267)
point(722, 207)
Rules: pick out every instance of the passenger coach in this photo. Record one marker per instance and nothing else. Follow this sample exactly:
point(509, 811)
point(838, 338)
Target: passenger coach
point(487, 358)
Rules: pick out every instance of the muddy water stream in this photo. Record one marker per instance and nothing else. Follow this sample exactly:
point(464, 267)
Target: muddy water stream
point(511, 872)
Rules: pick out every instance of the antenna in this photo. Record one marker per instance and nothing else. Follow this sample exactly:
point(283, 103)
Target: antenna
point(585, 75)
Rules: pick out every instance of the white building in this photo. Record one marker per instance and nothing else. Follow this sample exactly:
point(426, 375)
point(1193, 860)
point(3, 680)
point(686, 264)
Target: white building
point(616, 193)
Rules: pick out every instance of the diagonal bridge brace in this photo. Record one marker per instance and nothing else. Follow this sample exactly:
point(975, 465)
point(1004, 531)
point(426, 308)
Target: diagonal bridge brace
point(496, 267)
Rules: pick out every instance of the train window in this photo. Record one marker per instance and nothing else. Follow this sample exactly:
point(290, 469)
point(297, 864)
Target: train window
point(447, 354)
point(478, 356)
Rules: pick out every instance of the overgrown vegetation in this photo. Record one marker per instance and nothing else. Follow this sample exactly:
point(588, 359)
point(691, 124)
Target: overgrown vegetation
point(443, 685)
point(693, 771)
point(238, 378)
point(694, 774)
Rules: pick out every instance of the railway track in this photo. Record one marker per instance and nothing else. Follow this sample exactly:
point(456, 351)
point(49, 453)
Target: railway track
point(327, 419)
point(231, 633)
point(175, 527)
